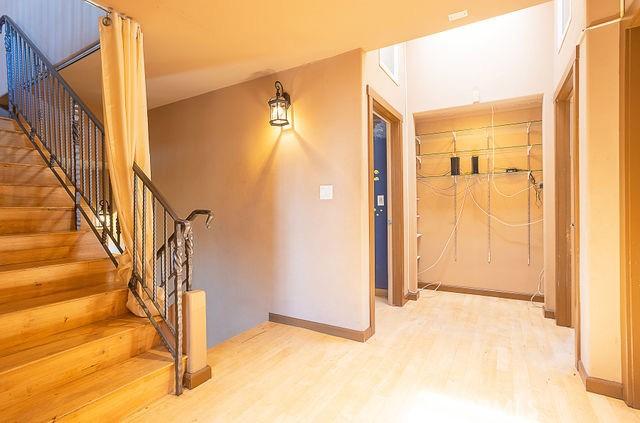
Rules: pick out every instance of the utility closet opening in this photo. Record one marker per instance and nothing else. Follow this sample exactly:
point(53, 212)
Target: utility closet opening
point(479, 184)
point(475, 106)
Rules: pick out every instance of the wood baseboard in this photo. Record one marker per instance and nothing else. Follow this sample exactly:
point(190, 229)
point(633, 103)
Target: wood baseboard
point(383, 293)
point(413, 296)
point(354, 335)
point(549, 314)
point(484, 292)
point(192, 380)
point(600, 386)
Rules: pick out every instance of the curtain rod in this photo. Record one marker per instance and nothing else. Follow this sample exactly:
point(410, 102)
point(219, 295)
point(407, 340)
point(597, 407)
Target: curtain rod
point(106, 10)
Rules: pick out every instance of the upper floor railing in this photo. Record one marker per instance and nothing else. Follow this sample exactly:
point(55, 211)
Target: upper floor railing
point(64, 131)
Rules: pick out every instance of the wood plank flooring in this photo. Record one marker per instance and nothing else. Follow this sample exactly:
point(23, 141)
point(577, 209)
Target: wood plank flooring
point(445, 358)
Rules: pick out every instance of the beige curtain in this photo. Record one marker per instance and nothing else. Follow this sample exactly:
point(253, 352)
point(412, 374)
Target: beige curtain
point(124, 97)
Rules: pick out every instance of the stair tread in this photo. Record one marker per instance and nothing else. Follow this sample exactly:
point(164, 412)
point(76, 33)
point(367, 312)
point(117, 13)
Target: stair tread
point(60, 297)
point(13, 131)
point(30, 351)
point(53, 233)
point(31, 184)
point(47, 263)
point(37, 207)
point(56, 403)
point(43, 165)
point(16, 147)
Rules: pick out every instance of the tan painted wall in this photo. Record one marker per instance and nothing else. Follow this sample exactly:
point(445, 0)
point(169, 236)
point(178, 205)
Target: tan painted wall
point(275, 247)
point(471, 260)
point(600, 208)
point(85, 78)
point(506, 57)
point(599, 183)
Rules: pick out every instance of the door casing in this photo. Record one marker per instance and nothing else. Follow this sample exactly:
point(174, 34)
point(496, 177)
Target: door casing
point(376, 104)
point(567, 243)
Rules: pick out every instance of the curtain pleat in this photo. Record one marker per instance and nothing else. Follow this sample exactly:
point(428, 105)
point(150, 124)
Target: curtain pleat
point(124, 97)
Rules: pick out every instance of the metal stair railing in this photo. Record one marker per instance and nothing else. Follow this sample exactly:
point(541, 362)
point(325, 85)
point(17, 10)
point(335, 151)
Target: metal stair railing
point(71, 139)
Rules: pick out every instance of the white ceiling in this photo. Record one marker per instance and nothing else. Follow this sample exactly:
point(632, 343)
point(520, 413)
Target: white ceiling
point(196, 46)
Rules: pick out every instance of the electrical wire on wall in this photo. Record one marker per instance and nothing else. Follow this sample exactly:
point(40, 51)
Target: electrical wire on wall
point(539, 291)
point(471, 181)
point(455, 226)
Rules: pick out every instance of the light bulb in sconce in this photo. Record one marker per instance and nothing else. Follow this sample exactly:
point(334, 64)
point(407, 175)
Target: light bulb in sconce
point(279, 106)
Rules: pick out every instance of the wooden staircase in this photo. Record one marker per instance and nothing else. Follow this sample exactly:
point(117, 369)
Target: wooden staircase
point(69, 348)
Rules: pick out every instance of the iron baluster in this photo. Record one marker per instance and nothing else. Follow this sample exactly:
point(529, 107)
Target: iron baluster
point(76, 164)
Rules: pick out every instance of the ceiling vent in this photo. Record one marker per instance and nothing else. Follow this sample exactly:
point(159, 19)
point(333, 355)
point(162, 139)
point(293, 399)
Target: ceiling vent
point(458, 15)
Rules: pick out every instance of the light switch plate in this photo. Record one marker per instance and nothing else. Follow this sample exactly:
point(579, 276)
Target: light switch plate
point(326, 192)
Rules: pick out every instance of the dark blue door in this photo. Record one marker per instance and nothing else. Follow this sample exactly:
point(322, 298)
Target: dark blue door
point(380, 201)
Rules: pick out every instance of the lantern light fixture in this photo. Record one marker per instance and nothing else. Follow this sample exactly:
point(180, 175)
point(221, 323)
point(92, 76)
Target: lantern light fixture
point(278, 106)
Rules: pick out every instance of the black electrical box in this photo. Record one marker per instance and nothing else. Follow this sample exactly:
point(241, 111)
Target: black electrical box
point(455, 166)
point(475, 168)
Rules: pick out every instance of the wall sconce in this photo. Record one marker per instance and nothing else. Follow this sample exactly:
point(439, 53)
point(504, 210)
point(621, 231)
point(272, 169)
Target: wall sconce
point(278, 106)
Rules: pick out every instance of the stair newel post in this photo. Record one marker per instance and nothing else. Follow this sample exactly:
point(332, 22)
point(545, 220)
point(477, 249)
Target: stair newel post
point(75, 127)
point(178, 260)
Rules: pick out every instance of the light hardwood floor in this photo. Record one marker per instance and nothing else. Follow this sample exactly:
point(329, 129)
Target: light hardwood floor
point(447, 357)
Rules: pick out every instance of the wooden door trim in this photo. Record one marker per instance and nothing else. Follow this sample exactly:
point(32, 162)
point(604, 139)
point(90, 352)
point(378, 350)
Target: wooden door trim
point(563, 283)
point(376, 103)
point(630, 206)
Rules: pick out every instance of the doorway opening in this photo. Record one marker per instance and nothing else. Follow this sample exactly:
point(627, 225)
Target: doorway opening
point(386, 215)
point(480, 186)
point(381, 205)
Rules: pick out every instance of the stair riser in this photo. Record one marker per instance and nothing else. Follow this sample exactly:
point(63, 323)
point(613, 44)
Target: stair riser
point(52, 371)
point(23, 249)
point(22, 289)
point(24, 325)
point(34, 196)
point(27, 175)
point(35, 221)
point(117, 405)
point(44, 279)
point(8, 125)
point(20, 155)
point(14, 139)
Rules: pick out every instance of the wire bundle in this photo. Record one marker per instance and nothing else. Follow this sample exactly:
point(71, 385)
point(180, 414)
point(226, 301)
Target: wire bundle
point(445, 192)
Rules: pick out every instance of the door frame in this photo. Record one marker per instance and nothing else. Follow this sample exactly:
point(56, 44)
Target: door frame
point(567, 141)
point(630, 205)
point(377, 104)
